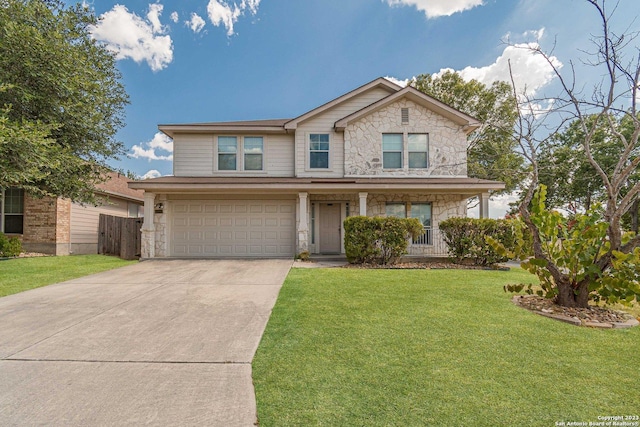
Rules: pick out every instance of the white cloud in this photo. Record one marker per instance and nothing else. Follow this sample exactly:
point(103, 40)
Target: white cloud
point(151, 174)
point(151, 150)
point(530, 70)
point(399, 82)
point(196, 23)
point(222, 13)
point(436, 8)
point(155, 10)
point(130, 36)
point(174, 17)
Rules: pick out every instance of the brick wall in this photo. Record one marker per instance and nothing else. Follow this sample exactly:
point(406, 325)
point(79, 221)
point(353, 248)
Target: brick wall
point(41, 232)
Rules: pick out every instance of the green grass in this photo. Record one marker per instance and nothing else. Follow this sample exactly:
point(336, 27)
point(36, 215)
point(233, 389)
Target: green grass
point(21, 274)
point(348, 347)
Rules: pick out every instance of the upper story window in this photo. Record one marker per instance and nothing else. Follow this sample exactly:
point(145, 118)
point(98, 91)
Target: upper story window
point(392, 150)
point(227, 153)
point(12, 210)
point(253, 151)
point(240, 153)
point(398, 148)
point(418, 150)
point(319, 151)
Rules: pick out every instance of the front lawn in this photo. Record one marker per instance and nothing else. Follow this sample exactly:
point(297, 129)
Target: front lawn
point(355, 347)
point(21, 274)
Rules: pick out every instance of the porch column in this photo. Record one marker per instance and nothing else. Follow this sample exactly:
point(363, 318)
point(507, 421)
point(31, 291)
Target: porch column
point(148, 228)
point(483, 203)
point(363, 203)
point(303, 227)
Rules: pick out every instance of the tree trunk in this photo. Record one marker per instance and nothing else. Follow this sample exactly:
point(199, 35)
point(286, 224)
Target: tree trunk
point(570, 297)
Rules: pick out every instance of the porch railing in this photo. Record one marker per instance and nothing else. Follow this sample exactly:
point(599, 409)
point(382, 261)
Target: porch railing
point(430, 243)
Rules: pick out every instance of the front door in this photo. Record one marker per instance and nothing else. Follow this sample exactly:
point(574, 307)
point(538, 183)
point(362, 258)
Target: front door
point(330, 226)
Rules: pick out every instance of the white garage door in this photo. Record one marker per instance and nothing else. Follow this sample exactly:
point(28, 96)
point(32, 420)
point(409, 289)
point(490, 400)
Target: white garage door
point(234, 228)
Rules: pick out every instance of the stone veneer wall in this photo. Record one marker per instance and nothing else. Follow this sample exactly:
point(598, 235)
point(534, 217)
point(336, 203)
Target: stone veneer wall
point(160, 224)
point(363, 142)
point(47, 225)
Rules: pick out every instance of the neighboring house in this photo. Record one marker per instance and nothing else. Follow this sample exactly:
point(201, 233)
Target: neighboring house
point(57, 226)
point(275, 188)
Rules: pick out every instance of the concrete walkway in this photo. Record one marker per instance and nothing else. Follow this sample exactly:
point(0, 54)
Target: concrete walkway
point(156, 343)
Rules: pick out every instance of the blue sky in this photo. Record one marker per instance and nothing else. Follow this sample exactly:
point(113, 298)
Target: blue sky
point(208, 60)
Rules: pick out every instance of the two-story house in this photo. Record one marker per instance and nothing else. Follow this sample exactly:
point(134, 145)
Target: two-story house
point(275, 188)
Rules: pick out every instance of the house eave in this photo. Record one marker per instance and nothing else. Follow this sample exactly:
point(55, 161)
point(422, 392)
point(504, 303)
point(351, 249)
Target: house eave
point(171, 130)
point(464, 186)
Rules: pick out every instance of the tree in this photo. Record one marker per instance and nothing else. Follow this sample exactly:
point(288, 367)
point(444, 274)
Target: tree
point(491, 148)
point(611, 109)
point(61, 97)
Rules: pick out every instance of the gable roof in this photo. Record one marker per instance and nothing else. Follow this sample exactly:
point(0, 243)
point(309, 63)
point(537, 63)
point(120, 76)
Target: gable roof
point(469, 123)
point(283, 125)
point(380, 82)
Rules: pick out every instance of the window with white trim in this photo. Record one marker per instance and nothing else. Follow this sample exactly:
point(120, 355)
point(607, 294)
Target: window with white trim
point(240, 153)
point(253, 151)
point(12, 210)
point(227, 153)
point(318, 151)
point(418, 150)
point(392, 150)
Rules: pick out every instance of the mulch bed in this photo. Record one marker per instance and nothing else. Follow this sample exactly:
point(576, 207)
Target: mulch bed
point(596, 317)
point(425, 265)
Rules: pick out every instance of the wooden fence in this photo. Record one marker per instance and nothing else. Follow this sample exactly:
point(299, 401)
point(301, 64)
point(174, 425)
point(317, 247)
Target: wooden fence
point(119, 236)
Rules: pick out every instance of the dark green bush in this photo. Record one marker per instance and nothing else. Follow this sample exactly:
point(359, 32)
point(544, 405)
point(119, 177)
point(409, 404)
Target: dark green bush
point(465, 238)
point(9, 247)
point(378, 240)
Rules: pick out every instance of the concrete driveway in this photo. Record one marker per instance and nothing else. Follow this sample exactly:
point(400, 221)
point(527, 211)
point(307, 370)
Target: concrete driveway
point(160, 343)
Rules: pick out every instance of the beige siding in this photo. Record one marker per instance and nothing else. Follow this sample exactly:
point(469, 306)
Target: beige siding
point(192, 155)
point(84, 222)
point(323, 123)
point(279, 155)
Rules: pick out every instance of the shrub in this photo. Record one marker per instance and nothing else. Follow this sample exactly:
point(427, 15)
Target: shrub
point(378, 239)
point(575, 246)
point(9, 247)
point(465, 238)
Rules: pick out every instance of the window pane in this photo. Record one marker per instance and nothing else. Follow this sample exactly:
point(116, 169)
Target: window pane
point(319, 160)
point(13, 201)
point(392, 142)
point(417, 160)
point(319, 137)
point(226, 162)
point(13, 224)
point(417, 142)
point(227, 144)
point(422, 211)
point(253, 162)
point(392, 160)
point(396, 209)
point(253, 145)
point(319, 146)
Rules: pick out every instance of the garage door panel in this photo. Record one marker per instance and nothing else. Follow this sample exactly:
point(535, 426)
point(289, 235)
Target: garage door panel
point(232, 228)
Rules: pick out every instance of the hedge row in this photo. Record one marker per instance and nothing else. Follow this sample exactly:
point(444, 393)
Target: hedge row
point(465, 238)
point(377, 239)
